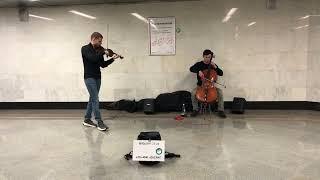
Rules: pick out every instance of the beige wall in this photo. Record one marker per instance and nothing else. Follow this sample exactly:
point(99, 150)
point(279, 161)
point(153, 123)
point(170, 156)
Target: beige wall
point(313, 83)
point(269, 61)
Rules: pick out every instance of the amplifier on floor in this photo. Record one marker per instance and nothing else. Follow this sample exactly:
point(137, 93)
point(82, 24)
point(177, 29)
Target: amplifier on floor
point(238, 105)
point(149, 106)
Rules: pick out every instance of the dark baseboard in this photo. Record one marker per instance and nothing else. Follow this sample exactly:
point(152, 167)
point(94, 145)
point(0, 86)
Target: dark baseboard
point(276, 105)
point(315, 106)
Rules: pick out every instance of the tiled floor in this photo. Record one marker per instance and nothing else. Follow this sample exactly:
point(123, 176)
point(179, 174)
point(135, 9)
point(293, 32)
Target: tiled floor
point(259, 145)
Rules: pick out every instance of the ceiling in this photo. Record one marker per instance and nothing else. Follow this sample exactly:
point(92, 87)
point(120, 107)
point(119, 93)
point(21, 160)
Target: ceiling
point(46, 3)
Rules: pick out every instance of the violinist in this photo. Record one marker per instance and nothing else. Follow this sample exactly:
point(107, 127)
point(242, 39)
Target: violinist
point(199, 67)
point(92, 56)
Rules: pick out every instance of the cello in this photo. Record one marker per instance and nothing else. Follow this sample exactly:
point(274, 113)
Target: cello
point(207, 92)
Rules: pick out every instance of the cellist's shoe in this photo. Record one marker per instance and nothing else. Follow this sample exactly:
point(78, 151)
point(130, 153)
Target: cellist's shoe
point(194, 113)
point(221, 114)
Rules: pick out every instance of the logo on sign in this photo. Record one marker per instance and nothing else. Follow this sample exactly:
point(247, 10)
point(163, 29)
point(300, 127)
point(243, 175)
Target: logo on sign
point(159, 151)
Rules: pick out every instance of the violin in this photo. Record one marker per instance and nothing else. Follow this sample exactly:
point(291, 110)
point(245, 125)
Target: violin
point(108, 52)
point(111, 53)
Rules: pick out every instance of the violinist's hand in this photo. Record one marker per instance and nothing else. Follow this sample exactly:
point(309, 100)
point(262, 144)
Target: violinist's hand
point(115, 56)
point(201, 74)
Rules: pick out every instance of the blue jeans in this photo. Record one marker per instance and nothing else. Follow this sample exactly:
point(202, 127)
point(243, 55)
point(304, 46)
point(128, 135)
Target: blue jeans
point(93, 86)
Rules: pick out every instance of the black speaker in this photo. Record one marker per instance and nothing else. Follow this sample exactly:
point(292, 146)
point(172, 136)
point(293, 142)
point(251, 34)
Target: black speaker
point(149, 106)
point(238, 105)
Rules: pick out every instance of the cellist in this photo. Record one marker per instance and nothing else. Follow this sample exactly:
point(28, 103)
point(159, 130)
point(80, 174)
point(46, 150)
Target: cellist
point(208, 60)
